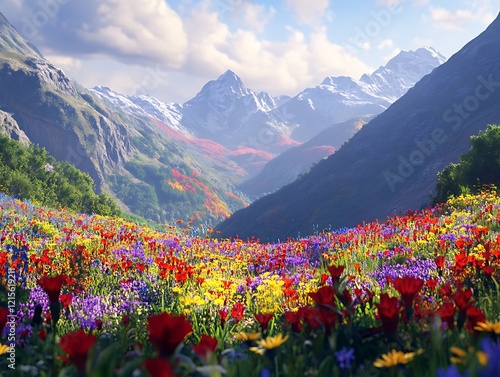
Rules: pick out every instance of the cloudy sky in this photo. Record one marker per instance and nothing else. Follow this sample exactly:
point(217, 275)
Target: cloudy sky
point(169, 49)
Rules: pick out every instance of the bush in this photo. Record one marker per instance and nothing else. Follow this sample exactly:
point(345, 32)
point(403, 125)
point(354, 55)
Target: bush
point(478, 167)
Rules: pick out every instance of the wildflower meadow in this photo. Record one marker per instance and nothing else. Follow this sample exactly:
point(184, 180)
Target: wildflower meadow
point(412, 295)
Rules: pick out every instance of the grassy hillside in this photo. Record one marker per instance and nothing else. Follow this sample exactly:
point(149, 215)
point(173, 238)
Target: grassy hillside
point(29, 172)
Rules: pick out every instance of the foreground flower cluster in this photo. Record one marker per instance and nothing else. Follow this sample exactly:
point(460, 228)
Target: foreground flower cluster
point(417, 294)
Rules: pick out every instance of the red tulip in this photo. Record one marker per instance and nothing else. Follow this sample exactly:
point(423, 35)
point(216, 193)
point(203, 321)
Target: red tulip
point(52, 286)
point(324, 296)
point(159, 367)
point(388, 310)
point(205, 346)
point(3, 318)
point(237, 312)
point(77, 345)
point(167, 331)
point(408, 287)
point(263, 320)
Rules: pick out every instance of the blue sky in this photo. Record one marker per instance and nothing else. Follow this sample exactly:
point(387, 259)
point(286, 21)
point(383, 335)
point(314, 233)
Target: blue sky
point(169, 49)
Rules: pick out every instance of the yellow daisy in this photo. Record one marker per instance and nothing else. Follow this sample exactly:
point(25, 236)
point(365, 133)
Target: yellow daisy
point(4, 349)
point(247, 336)
point(272, 341)
point(395, 358)
point(488, 327)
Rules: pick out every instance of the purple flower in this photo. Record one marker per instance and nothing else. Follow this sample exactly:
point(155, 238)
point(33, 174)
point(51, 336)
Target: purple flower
point(344, 357)
point(452, 371)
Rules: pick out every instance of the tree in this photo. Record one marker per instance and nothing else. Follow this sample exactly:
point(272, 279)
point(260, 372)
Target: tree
point(479, 166)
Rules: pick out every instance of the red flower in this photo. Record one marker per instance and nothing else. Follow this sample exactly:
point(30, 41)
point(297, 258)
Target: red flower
point(474, 315)
point(388, 310)
point(223, 316)
point(324, 296)
point(335, 272)
point(408, 287)
point(447, 314)
point(52, 286)
point(237, 312)
point(440, 261)
point(66, 300)
point(98, 323)
point(159, 367)
point(125, 320)
point(42, 334)
point(77, 345)
point(294, 319)
point(263, 320)
point(462, 299)
point(167, 331)
point(3, 318)
point(205, 346)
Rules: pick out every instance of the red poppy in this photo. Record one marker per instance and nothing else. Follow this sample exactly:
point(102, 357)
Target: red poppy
point(159, 367)
point(98, 323)
point(3, 318)
point(237, 312)
point(263, 320)
point(77, 345)
point(207, 345)
point(52, 286)
point(324, 296)
point(167, 331)
point(335, 272)
point(408, 287)
point(66, 300)
point(388, 310)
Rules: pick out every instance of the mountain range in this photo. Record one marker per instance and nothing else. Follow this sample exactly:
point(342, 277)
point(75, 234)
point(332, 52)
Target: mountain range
point(255, 127)
point(391, 164)
point(168, 161)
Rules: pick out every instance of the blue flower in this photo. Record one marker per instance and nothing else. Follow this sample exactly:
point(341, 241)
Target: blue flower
point(452, 371)
point(344, 357)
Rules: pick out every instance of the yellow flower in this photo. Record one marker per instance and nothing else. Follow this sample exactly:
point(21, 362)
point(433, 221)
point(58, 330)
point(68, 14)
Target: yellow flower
point(4, 349)
point(247, 336)
point(482, 358)
point(488, 327)
point(259, 350)
point(272, 341)
point(395, 358)
point(459, 355)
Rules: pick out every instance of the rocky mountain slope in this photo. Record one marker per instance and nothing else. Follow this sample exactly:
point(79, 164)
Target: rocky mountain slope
point(134, 156)
point(390, 165)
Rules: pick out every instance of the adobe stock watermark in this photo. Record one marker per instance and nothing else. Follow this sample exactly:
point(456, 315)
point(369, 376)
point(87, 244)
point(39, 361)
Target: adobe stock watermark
point(47, 9)
point(228, 6)
point(455, 115)
point(153, 79)
point(380, 20)
point(11, 317)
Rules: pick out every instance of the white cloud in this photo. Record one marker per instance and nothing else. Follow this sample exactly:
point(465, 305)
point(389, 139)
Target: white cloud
point(309, 12)
point(421, 42)
point(255, 16)
point(386, 43)
point(454, 21)
point(142, 30)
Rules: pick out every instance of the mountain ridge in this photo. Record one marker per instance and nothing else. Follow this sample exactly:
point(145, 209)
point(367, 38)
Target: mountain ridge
point(390, 165)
